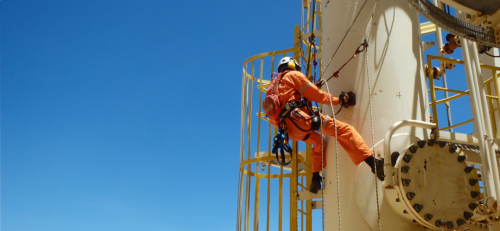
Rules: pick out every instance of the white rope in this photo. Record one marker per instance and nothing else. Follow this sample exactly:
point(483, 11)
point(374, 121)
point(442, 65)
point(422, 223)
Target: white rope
point(336, 159)
point(335, 124)
point(373, 141)
point(370, 23)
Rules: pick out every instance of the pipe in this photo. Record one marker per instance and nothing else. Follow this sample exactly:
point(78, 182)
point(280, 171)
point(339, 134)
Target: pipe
point(389, 181)
point(486, 120)
point(486, 168)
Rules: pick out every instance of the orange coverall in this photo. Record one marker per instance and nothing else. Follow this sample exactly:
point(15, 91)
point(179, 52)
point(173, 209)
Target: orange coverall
point(295, 84)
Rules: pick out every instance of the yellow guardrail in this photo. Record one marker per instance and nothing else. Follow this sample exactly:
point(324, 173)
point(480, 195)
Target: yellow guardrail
point(257, 71)
point(493, 99)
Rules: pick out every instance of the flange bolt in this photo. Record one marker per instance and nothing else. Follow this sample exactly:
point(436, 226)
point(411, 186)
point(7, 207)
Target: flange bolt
point(473, 182)
point(460, 222)
point(439, 223)
point(418, 207)
point(428, 217)
point(469, 169)
point(405, 169)
point(410, 195)
point(450, 224)
point(431, 142)
point(421, 143)
point(407, 158)
point(473, 206)
point(468, 215)
point(452, 149)
point(474, 194)
point(406, 182)
point(441, 143)
point(413, 149)
point(461, 158)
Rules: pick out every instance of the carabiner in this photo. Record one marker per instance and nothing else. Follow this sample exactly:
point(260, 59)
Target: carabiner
point(362, 47)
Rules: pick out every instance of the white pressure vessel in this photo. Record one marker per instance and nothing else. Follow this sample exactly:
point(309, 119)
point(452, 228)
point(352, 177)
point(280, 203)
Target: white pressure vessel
point(398, 90)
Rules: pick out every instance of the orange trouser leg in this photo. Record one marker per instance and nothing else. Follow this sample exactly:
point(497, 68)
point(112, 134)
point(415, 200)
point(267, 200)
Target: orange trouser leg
point(348, 138)
point(315, 140)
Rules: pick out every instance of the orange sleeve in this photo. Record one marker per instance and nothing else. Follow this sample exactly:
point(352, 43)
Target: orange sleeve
point(307, 89)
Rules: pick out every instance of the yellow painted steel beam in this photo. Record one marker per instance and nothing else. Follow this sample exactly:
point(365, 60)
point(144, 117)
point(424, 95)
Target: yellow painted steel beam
point(455, 61)
point(449, 90)
point(433, 94)
point(262, 175)
point(427, 28)
point(264, 158)
point(271, 53)
point(293, 187)
point(457, 125)
point(308, 179)
point(450, 98)
point(280, 211)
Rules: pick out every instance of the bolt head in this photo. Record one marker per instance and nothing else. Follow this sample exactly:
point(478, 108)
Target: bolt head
point(410, 195)
point(468, 215)
point(473, 206)
point(474, 194)
point(418, 207)
point(407, 158)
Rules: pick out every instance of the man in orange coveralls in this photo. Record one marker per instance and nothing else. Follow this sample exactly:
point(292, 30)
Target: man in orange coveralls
point(293, 86)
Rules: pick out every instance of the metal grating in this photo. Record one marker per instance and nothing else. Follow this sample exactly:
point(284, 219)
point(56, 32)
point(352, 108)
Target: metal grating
point(454, 25)
point(484, 6)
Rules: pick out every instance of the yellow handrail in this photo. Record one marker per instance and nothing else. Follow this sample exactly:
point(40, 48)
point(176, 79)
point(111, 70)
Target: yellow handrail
point(487, 84)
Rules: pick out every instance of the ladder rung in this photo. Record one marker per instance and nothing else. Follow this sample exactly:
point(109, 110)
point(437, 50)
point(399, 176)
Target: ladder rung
point(302, 212)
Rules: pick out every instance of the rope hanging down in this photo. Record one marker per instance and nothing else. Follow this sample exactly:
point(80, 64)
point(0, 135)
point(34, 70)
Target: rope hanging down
point(347, 32)
point(360, 49)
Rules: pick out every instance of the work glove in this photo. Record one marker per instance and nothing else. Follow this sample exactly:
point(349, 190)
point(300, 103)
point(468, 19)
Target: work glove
point(347, 99)
point(320, 83)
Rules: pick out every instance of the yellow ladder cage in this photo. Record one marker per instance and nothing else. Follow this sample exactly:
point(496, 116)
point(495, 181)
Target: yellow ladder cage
point(265, 187)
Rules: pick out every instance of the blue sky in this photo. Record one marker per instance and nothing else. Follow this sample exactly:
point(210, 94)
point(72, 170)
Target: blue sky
point(124, 115)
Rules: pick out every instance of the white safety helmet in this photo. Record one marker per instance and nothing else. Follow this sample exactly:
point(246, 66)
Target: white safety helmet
point(288, 63)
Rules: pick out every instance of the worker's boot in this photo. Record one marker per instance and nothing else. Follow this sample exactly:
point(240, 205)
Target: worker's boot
point(315, 183)
point(380, 168)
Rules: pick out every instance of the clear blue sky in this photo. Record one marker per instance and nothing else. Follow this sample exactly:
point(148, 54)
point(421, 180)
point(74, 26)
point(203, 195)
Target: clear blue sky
point(124, 115)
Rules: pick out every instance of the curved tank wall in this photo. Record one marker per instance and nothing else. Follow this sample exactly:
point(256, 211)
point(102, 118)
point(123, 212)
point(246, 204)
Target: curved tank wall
point(398, 93)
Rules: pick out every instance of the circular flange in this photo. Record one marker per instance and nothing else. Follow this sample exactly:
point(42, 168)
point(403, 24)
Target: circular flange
point(435, 185)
